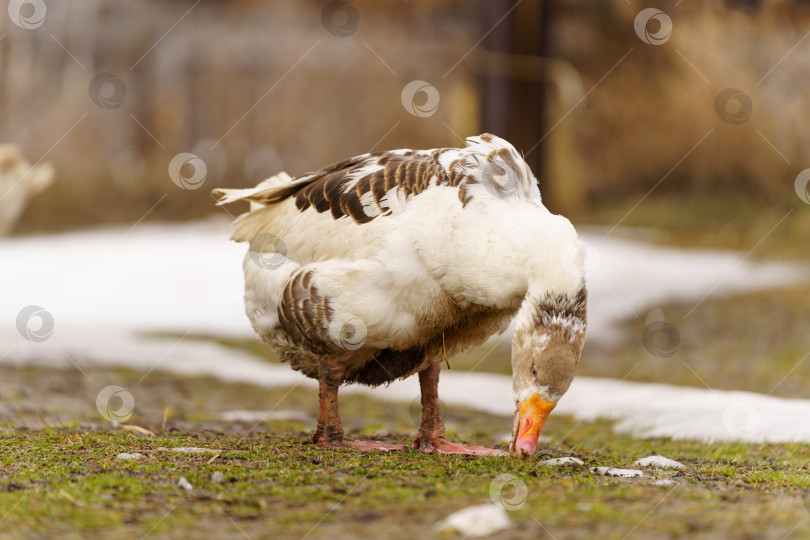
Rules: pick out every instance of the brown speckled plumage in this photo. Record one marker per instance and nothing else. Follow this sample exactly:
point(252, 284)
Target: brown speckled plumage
point(410, 173)
point(557, 331)
point(304, 314)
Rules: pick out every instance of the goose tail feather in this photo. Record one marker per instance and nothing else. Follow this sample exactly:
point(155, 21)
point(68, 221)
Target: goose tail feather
point(253, 223)
point(274, 189)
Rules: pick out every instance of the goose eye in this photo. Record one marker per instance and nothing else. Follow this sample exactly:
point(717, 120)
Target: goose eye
point(534, 371)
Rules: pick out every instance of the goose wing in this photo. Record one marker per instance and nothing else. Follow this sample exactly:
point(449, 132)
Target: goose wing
point(368, 186)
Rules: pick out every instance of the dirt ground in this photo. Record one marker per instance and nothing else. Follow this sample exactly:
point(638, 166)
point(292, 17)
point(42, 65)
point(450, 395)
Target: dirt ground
point(60, 475)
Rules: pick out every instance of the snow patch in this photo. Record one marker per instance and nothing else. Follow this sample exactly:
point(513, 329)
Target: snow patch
point(115, 277)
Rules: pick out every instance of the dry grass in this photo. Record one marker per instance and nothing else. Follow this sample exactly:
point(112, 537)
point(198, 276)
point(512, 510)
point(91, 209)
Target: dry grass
point(659, 103)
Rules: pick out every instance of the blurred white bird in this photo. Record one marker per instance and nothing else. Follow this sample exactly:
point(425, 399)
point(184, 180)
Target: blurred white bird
point(19, 181)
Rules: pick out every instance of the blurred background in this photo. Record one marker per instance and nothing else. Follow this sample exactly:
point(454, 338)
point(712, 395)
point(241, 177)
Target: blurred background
point(108, 92)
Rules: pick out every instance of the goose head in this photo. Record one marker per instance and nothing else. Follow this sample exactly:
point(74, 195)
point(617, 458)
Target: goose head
point(548, 340)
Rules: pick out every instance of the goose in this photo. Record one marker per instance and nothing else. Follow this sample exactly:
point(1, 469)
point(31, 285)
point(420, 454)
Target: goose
point(383, 265)
point(19, 181)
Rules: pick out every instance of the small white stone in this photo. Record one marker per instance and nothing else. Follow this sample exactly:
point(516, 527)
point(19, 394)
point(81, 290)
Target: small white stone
point(562, 461)
point(659, 462)
point(125, 455)
point(217, 477)
point(185, 484)
point(192, 450)
point(622, 473)
point(476, 521)
point(664, 482)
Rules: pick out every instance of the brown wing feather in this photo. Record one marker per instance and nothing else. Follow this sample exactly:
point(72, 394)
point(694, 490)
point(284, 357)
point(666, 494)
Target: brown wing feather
point(304, 314)
point(409, 172)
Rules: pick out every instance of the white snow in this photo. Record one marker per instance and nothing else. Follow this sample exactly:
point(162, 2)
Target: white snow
point(562, 461)
point(476, 521)
point(169, 278)
point(659, 462)
point(621, 473)
point(107, 288)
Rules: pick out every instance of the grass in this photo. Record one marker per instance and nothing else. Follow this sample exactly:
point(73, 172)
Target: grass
point(276, 484)
point(65, 479)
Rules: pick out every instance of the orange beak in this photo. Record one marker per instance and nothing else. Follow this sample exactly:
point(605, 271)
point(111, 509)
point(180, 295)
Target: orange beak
point(530, 416)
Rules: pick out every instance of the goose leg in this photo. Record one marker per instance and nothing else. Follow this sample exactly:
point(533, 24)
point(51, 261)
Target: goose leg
point(330, 429)
point(431, 435)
